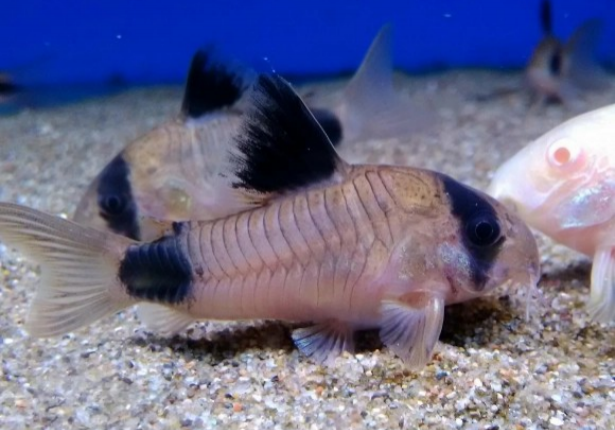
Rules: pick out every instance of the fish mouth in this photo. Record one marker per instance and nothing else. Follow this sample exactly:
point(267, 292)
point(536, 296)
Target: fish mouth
point(526, 278)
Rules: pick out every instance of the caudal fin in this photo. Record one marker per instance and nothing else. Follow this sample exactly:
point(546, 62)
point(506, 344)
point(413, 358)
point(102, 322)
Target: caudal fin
point(79, 282)
point(371, 106)
point(583, 69)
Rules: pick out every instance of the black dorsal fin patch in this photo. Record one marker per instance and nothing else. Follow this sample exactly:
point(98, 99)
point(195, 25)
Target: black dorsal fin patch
point(546, 18)
point(281, 146)
point(210, 85)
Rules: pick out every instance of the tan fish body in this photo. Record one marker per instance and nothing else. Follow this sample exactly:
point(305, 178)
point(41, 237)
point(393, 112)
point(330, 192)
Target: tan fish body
point(306, 237)
point(563, 184)
point(560, 70)
point(166, 174)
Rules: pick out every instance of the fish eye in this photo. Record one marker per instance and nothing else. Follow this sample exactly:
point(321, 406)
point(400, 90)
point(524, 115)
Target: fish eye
point(112, 204)
point(483, 230)
point(565, 153)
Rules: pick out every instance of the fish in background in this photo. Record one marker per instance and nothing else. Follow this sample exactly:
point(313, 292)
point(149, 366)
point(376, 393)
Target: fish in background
point(563, 184)
point(17, 92)
point(559, 71)
point(9, 92)
point(8, 88)
point(369, 106)
point(167, 174)
point(302, 236)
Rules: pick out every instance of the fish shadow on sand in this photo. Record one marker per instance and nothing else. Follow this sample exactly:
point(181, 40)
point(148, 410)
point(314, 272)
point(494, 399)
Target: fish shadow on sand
point(464, 325)
point(564, 277)
point(215, 343)
point(478, 323)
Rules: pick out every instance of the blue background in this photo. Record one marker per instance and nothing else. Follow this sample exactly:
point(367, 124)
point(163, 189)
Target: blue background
point(139, 42)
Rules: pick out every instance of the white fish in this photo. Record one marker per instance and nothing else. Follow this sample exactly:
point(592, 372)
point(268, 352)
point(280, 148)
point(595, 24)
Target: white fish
point(563, 184)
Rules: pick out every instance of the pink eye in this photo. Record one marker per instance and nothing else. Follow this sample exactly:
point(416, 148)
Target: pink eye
point(561, 156)
point(565, 153)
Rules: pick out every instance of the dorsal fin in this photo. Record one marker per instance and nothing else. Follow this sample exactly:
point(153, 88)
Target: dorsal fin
point(210, 85)
point(281, 147)
point(277, 147)
point(371, 107)
point(546, 18)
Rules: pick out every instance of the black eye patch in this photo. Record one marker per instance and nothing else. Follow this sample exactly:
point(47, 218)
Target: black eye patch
point(115, 202)
point(479, 228)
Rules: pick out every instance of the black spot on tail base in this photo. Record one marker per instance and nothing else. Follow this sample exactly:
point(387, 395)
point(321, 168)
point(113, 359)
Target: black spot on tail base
point(479, 228)
point(157, 272)
point(115, 201)
point(330, 124)
point(281, 146)
point(210, 86)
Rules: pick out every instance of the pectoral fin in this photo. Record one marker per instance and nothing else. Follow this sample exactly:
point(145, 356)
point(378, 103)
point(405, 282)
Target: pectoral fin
point(601, 304)
point(411, 326)
point(324, 341)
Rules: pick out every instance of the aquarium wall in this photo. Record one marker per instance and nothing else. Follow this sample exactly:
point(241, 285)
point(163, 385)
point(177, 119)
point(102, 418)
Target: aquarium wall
point(151, 42)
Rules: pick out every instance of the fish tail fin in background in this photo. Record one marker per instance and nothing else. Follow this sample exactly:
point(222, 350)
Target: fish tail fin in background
point(371, 107)
point(79, 277)
point(583, 69)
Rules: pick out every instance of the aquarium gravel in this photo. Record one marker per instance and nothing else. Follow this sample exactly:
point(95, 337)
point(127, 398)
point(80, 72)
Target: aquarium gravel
point(493, 370)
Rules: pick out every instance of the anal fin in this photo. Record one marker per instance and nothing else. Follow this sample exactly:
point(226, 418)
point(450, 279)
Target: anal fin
point(411, 326)
point(163, 320)
point(601, 304)
point(324, 341)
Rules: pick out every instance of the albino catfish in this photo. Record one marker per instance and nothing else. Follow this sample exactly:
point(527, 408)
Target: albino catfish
point(563, 184)
point(301, 236)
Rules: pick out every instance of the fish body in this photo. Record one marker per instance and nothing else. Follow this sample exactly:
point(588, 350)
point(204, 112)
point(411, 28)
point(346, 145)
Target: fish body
point(301, 236)
point(559, 70)
point(563, 184)
point(166, 174)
